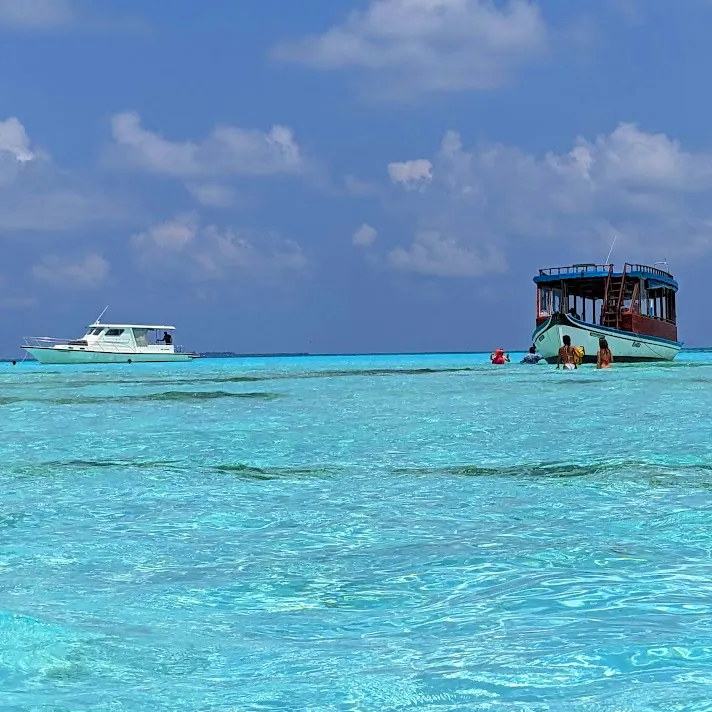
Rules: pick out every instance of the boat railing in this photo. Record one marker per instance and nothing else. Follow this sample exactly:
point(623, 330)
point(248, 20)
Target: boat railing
point(644, 268)
point(48, 342)
point(598, 268)
point(573, 269)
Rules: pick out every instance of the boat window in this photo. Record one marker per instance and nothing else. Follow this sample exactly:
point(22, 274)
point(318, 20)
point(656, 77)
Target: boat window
point(140, 336)
point(545, 301)
point(549, 301)
point(96, 332)
point(114, 332)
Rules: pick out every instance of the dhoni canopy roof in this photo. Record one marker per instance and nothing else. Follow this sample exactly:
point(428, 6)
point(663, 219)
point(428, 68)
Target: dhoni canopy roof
point(587, 275)
point(149, 327)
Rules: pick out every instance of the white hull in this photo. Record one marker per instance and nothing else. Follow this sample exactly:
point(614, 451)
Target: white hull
point(66, 356)
point(625, 347)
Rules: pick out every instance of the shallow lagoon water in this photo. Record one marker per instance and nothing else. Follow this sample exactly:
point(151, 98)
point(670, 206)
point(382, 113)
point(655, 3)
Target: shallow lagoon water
point(356, 533)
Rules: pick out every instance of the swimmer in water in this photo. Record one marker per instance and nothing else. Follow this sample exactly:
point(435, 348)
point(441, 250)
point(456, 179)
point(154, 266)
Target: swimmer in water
point(532, 356)
point(605, 357)
point(567, 354)
point(499, 357)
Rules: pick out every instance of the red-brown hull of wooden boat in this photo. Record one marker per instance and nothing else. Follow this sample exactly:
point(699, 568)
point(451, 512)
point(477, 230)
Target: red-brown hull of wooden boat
point(648, 326)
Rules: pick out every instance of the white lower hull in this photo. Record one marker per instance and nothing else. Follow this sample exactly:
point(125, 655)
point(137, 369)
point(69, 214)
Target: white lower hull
point(65, 356)
point(624, 346)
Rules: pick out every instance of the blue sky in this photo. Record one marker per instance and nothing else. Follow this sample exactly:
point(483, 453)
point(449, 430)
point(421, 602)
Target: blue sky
point(344, 176)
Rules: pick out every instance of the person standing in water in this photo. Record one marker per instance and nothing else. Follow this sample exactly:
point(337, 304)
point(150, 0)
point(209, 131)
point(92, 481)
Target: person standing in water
point(604, 359)
point(532, 356)
point(567, 354)
point(499, 357)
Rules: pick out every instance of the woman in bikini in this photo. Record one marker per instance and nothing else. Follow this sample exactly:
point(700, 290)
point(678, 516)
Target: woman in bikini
point(567, 354)
point(605, 357)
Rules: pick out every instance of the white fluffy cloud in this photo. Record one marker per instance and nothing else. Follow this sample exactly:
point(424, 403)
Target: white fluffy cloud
point(429, 45)
point(85, 273)
point(434, 254)
point(411, 174)
point(44, 16)
point(16, 152)
point(208, 252)
point(364, 236)
point(171, 235)
point(36, 195)
point(15, 141)
point(228, 150)
point(630, 159)
point(36, 14)
point(482, 205)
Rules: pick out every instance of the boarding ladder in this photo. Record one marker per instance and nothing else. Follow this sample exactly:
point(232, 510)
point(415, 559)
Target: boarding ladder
point(613, 299)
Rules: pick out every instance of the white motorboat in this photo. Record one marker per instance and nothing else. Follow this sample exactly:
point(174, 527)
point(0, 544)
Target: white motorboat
point(110, 343)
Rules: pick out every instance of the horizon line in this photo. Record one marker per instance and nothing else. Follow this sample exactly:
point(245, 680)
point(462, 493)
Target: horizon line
point(316, 354)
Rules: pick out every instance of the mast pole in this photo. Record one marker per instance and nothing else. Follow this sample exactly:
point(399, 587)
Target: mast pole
point(98, 319)
point(615, 237)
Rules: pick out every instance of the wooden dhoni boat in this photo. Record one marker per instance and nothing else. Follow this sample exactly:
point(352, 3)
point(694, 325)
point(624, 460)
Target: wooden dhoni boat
point(634, 310)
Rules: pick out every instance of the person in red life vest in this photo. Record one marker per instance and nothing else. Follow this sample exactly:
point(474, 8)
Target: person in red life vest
point(499, 357)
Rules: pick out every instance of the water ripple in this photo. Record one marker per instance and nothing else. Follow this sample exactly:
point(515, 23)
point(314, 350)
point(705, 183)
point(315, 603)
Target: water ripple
point(419, 533)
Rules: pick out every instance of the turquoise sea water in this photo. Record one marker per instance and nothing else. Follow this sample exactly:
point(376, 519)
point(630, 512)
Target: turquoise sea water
point(356, 533)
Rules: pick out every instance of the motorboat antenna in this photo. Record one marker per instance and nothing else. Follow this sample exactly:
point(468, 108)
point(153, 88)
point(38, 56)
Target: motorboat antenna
point(98, 319)
point(608, 259)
